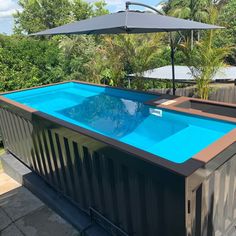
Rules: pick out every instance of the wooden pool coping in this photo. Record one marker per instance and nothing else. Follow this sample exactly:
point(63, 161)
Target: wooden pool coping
point(186, 168)
point(218, 146)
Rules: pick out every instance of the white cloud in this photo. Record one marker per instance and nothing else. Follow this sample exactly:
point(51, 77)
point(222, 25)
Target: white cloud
point(115, 4)
point(118, 5)
point(111, 2)
point(6, 5)
point(8, 8)
point(7, 13)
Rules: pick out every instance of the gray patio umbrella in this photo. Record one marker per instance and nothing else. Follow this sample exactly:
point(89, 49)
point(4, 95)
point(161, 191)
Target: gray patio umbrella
point(130, 22)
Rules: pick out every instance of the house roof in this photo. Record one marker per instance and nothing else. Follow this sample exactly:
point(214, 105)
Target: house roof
point(183, 73)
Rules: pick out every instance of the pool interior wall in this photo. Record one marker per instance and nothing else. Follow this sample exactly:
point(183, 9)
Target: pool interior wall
point(123, 116)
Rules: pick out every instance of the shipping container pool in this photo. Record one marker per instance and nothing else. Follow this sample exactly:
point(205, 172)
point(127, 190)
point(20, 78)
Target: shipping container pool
point(123, 116)
point(141, 164)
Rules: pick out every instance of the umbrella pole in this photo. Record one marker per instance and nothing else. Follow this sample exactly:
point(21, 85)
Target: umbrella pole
point(172, 62)
point(171, 40)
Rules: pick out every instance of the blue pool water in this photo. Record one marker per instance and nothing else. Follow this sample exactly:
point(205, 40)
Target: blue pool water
point(122, 115)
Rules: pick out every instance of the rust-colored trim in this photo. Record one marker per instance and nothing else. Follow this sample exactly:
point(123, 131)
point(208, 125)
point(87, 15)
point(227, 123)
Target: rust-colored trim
point(217, 147)
point(212, 102)
point(173, 107)
point(185, 99)
point(17, 104)
point(82, 82)
point(40, 86)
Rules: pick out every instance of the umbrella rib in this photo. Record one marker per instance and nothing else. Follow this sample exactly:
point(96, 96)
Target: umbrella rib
point(125, 29)
point(90, 32)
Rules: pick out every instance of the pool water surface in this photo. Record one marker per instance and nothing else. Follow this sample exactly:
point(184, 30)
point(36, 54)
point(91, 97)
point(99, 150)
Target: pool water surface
point(123, 116)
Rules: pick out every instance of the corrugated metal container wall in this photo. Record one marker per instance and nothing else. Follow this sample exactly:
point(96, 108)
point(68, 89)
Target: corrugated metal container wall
point(212, 193)
point(138, 197)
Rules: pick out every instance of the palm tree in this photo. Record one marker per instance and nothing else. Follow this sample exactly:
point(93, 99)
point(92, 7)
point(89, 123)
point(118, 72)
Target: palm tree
point(205, 59)
point(141, 52)
point(190, 9)
point(196, 10)
point(79, 55)
point(124, 54)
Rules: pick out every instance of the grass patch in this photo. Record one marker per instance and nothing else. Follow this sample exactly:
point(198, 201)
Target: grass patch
point(1, 152)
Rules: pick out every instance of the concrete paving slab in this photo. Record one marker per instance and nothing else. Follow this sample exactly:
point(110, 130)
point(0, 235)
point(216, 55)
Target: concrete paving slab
point(44, 222)
point(50, 197)
point(19, 202)
point(4, 220)
point(11, 231)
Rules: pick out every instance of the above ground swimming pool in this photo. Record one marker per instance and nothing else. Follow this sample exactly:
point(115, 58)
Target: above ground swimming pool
point(123, 116)
point(133, 163)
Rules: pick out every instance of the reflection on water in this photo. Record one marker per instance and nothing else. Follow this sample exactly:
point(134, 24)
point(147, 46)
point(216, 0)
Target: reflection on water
point(110, 115)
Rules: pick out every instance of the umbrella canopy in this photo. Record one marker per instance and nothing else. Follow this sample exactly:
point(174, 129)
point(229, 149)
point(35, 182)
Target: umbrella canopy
point(131, 22)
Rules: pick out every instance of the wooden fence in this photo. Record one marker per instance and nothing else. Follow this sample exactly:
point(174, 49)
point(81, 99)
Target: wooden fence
point(221, 94)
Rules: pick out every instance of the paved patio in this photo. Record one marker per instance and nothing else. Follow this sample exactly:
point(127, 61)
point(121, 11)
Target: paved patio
point(22, 213)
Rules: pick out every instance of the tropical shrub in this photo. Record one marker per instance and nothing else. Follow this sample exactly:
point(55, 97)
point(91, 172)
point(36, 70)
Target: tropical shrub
point(27, 62)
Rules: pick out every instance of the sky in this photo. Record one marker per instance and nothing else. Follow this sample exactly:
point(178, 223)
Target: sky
point(9, 7)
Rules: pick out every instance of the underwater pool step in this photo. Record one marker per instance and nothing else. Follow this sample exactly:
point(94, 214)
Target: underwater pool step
point(183, 143)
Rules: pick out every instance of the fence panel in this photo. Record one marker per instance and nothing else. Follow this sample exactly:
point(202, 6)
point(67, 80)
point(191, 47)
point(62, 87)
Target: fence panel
point(224, 94)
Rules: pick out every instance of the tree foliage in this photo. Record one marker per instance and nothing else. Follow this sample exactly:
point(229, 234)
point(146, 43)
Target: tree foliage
point(205, 59)
point(80, 58)
point(227, 37)
point(121, 55)
point(190, 9)
point(26, 62)
point(140, 53)
point(39, 15)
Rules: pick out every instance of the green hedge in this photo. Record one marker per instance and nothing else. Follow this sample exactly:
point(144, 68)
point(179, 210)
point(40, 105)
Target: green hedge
point(27, 62)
